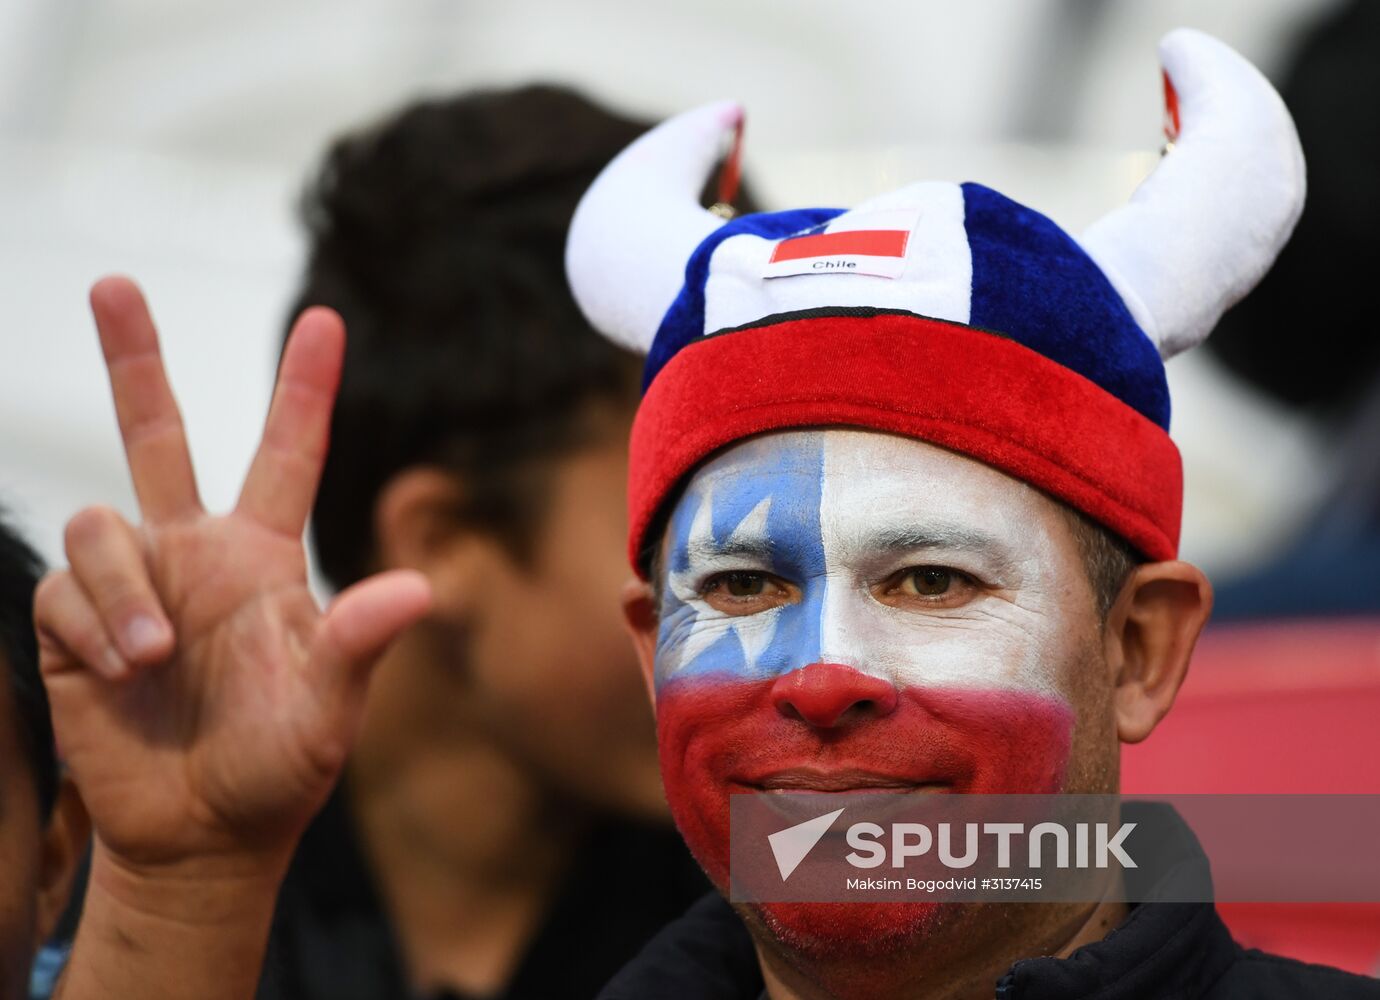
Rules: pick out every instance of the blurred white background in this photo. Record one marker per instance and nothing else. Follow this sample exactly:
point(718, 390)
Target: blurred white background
point(168, 139)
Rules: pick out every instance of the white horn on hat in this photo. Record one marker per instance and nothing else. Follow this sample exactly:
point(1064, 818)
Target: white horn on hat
point(1207, 224)
point(637, 225)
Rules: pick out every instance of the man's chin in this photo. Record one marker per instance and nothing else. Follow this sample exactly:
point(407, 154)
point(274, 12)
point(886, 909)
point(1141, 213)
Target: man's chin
point(827, 931)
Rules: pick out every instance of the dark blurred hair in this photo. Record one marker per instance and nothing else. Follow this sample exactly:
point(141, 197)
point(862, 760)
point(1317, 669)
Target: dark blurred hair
point(20, 569)
point(1304, 335)
point(439, 236)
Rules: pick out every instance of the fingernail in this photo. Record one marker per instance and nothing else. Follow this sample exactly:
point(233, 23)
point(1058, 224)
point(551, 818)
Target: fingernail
point(143, 635)
point(113, 665)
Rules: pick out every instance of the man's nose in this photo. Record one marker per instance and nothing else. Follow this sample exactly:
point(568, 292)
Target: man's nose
point(823, 694)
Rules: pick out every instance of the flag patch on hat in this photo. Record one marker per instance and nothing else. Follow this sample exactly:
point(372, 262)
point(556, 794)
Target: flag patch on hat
point(872, 243)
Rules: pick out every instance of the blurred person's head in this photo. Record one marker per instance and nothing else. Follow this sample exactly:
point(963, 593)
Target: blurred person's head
point(43, 828)
point(903, 495)
point(1319, 282)
point(480, 432)
point(1330, 388)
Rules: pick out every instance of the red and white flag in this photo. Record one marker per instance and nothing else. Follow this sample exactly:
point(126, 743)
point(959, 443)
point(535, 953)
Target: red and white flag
point(872, 243)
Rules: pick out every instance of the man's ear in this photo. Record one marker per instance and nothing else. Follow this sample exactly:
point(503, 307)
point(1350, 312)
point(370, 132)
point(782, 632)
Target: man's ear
point(65, 840)
point(1150, 634)
point(640, 617)
point(417, 526)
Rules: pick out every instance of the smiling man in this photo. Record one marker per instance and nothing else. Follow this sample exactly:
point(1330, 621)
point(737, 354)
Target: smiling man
point(845, 610)
point(905, 511)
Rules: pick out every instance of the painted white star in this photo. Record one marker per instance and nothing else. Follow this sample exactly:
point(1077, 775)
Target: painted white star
point(755, 633)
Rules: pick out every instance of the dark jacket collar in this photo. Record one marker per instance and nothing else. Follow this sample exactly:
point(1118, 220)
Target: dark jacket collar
point(1162, 949)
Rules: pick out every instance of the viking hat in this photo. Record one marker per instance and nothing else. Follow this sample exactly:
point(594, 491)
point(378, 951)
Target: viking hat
point(945, 312)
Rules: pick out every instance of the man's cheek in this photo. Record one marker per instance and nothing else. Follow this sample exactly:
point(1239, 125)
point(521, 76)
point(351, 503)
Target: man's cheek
point(699, 722)
point(1017, 741)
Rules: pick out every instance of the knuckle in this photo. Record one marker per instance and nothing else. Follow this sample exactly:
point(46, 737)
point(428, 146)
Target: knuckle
point(120, 599)
point(122, 592)
point(50, 592)
point(62, 615)
point(83, 642)
point(89, 525)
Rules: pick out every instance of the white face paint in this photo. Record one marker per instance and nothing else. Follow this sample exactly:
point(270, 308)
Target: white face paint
point(835, 514)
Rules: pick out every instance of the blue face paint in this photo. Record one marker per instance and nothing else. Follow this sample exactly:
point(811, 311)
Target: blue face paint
point(785, 473)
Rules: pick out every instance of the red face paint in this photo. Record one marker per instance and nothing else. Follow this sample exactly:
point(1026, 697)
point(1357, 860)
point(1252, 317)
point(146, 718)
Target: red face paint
point(720, 735)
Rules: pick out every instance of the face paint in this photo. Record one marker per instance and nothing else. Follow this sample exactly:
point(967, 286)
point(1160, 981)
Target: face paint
point(839, 688)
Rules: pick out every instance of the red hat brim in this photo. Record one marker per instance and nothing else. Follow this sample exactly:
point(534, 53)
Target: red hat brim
point(972, 391)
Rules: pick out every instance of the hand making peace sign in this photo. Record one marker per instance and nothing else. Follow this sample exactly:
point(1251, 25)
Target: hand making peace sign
point(202, 701)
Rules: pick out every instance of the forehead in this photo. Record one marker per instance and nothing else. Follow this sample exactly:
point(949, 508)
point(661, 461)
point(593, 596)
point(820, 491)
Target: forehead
point(860, 481)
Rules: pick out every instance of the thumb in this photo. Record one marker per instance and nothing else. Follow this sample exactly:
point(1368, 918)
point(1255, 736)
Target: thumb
point(365, 618)
point(357, 628)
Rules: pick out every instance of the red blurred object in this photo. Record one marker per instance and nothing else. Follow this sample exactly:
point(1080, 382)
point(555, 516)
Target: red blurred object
point(1171, 110)
point(730, 176)
point(1285, 708)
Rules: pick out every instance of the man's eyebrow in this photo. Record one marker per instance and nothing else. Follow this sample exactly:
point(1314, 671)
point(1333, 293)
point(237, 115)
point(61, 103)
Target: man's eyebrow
point(938, 536)
point(746, 548)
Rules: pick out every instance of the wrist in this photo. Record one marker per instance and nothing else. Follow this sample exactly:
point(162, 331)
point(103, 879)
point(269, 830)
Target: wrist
point(202, 891)
point(172, 930)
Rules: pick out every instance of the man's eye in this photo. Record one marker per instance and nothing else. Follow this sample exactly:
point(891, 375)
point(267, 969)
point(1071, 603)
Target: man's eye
point(930, 587)
point(928, 581)
point(744, 592)
point(744, 584)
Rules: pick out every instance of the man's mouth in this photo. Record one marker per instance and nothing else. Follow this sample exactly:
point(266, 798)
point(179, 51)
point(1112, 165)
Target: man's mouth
point(839, 781)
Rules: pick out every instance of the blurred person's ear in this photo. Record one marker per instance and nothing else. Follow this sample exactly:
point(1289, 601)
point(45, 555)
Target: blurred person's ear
point(640, 617)
point(65, 839)
point(1149, 638)
point(416, 527)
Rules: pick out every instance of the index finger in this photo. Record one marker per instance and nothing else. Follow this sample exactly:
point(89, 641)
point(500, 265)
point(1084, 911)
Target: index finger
point(150, 424)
